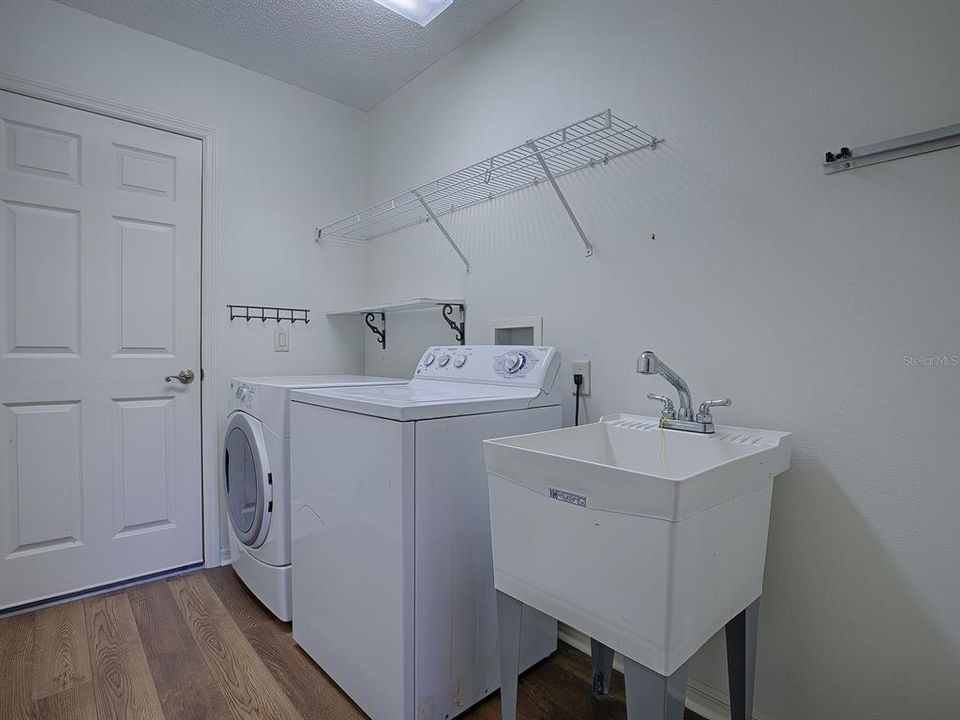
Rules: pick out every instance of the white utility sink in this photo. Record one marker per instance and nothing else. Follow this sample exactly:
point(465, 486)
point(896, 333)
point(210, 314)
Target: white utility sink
point(648, 540)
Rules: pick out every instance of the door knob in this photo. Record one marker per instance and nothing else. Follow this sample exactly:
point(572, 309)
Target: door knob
point(185, 376)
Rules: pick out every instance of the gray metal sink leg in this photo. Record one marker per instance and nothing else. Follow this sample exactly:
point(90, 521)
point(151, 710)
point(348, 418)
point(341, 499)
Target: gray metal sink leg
point(602, 660)
point(509, 610)
point(651, 696)
point(741, 634)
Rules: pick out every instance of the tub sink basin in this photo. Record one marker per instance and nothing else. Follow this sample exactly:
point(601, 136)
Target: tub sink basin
point(648, 540)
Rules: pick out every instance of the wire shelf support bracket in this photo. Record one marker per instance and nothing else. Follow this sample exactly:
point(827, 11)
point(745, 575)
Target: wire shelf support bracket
point(267, 312)
point(901, 147)
point(563, 200)
point(443, 230)
point(593, 141)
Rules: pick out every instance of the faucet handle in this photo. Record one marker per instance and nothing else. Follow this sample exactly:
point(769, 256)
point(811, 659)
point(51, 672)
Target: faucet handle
point(668, 410)
point(703, 414)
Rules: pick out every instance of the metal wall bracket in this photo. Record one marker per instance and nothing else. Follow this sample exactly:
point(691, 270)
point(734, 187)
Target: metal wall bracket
point(442, 229)
point(901, 147)
point(380, 332)
point(459, 328)
point(563, 200)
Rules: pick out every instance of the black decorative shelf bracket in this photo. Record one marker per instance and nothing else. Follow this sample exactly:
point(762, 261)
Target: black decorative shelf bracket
point(459, 328)
point(381, 333)
point(267, 312)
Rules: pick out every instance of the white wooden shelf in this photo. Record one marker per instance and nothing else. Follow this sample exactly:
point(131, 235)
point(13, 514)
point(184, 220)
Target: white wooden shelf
point(414, 304)
point(448, 307)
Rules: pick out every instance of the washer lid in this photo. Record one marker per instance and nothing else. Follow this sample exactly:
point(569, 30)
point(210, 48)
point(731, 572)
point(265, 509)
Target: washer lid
point(247, 482)
point(310, 381)
point(421, 399)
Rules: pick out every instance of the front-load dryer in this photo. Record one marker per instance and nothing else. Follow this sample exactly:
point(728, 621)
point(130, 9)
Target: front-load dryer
point(255, 472)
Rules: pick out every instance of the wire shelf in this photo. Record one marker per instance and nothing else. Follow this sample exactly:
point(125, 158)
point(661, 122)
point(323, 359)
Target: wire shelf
point(594, 140)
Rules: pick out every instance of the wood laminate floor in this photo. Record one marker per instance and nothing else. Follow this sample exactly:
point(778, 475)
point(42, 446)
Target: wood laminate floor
point(201, 646)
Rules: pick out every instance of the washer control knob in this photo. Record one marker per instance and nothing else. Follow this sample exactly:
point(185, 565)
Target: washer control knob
point(514, 362)
point(459, 360)
point(443, 360)
point(242, 393)
point(428, 359)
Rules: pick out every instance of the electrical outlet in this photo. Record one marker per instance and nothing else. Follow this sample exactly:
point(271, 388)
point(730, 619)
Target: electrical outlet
point(582, 368)
point(281, 339)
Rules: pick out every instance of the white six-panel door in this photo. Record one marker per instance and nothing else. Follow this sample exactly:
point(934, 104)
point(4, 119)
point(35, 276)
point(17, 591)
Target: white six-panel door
point(99, 302)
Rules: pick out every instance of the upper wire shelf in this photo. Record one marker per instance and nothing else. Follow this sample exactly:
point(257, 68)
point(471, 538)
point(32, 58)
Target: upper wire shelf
point(594, 140)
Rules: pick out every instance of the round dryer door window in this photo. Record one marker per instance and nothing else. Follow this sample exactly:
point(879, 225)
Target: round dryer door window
point(246, 481)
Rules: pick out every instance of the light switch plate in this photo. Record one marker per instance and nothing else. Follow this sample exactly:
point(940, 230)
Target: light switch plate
point(281, 339)
point(583, 368)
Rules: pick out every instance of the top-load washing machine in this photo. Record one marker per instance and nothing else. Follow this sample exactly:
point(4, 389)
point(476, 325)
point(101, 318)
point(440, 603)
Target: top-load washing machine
point(393, 592)
point(256, 480)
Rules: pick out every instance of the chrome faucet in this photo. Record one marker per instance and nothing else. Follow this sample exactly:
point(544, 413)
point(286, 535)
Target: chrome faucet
point(683, 418)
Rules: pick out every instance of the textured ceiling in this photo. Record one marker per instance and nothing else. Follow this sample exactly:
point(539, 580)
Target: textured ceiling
point(354, 51)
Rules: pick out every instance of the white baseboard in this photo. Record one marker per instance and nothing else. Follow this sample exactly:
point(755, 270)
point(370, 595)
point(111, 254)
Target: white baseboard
point(101, 590)
point(704, 700)
point(224, 556)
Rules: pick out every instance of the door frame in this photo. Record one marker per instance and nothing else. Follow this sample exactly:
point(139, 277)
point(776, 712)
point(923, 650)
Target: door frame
point(213, 554)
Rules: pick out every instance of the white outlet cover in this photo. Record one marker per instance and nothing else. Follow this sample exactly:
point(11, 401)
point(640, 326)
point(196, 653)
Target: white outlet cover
point(281, 339)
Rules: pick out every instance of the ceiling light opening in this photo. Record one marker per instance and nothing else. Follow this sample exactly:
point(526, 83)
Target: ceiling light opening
point(419, 11)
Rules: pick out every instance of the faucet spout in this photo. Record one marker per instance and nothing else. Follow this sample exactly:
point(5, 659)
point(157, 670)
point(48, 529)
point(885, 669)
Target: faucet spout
point(649, 364)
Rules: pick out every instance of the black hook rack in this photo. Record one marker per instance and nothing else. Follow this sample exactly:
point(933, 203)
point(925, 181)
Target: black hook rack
point(459, 328)
point(381, 333)
point(266, 312)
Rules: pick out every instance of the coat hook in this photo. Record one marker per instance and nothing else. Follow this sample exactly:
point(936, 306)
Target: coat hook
point(277, 314)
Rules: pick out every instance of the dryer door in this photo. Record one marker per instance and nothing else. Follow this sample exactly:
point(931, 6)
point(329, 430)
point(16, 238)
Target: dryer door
point(247, 483)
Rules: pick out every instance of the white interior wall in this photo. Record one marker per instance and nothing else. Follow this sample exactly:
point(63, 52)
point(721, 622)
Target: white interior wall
point(800, 296)
point(286, 158)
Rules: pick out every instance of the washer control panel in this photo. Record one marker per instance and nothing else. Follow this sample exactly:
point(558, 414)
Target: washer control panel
point(515, 363)
point(505, 364)
point(244, 395)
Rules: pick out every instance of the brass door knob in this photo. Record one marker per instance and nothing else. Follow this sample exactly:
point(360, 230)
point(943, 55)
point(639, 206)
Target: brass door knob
point(185, 376)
